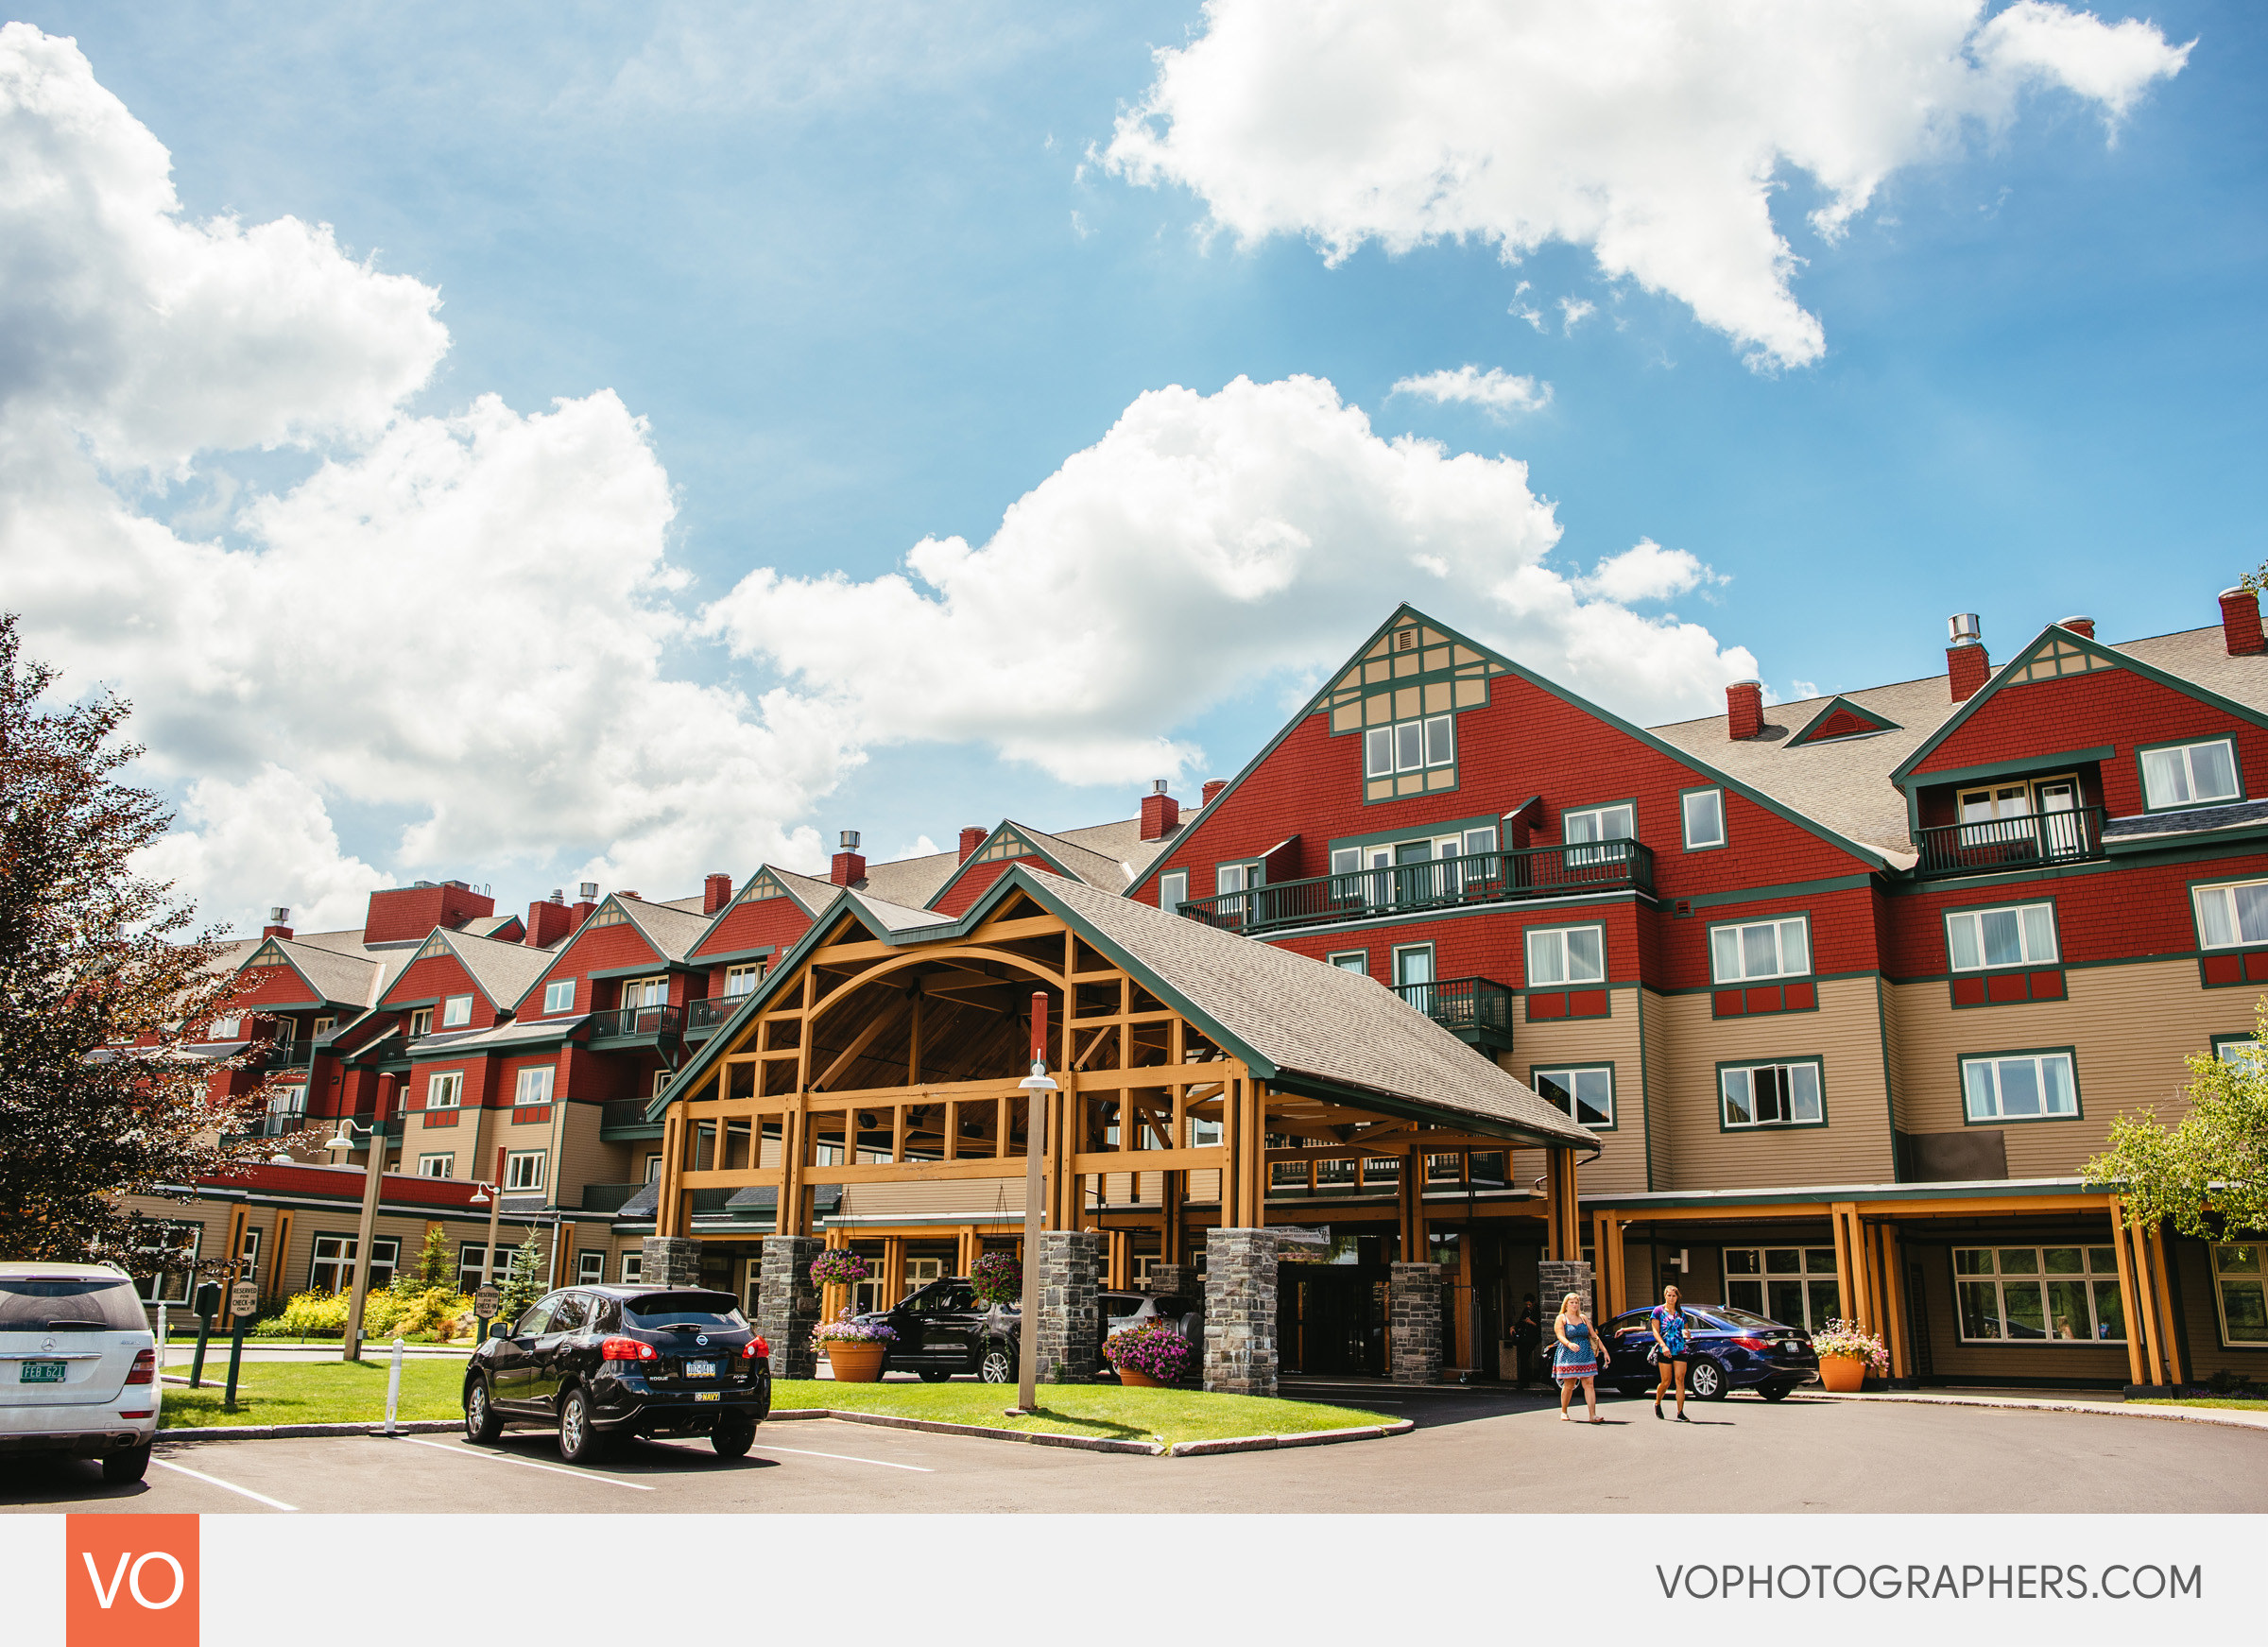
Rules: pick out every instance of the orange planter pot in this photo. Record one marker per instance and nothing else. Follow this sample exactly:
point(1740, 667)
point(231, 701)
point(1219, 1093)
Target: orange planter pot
point(1842, 1374)
point(1138, 1381)
point(854, 1363)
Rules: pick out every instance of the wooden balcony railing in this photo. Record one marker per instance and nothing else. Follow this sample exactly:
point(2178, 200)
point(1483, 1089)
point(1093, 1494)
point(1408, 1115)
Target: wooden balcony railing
point(637, 1020)
point(2011, 843)
point(1463, 1006)
point(1505, 876)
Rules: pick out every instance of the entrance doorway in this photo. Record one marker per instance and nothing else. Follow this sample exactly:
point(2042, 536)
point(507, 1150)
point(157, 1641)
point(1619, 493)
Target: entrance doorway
point(1331, 1318)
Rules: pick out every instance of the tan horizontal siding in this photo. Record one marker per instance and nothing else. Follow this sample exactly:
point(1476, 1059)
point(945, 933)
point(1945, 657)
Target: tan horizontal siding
point(1621, 1166)
point(2191, 1264)
point(1655, 1041)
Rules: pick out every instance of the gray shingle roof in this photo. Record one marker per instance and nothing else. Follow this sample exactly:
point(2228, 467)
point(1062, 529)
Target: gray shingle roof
point(504, 971)
point(670, 930)
point(353, 979)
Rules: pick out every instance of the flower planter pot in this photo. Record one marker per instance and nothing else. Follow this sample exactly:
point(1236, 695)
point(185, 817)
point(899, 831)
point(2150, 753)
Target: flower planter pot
point(1842, 1374)
point(855, 1363)
point(1138, 1381)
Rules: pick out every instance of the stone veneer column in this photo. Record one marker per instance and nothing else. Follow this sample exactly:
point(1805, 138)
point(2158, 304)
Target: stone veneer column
point(1554, 1279)
point(1175, 1282)
point(1240, 1311)
point(1070, 1322)
point(1414, 1322)
point(787, 1304)
point(670, 1260)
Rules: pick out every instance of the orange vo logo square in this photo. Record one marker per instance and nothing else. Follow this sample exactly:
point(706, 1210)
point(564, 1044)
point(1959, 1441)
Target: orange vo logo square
point(131, 1580)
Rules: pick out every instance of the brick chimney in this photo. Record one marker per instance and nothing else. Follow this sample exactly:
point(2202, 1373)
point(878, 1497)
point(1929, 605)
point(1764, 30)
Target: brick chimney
point(279, 919)
point(548, 921)
point(586, 900)
point(972, 838)
point(1744, 709)
point(2082, 626)
point(1161, 812)
point(716, 891)
point(2241, 622)
point(1966, 662)
point(1212, 787)
point(849, 868)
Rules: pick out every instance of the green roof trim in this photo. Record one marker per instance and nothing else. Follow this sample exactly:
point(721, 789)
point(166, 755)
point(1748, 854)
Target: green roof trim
point(1812, 730)
point(1002, 833)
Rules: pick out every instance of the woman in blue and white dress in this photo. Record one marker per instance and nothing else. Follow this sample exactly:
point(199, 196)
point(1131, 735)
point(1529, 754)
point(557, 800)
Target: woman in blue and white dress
point(1673, 1354)
point(1575, 1360)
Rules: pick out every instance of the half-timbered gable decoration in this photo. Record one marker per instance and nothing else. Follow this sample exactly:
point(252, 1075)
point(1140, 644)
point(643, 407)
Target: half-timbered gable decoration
point(1012, 843)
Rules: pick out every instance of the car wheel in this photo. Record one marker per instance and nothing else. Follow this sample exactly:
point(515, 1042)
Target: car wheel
point(732, 1440)
point(1775, 1392)
point(1704, 1381)
point(935, 1375)
point(579, 1439)
point(997, 1365)
point(129, 1466)
point(482, 1426)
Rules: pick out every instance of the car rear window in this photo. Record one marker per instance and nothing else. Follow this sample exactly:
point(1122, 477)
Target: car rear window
point(682, 1310)
point(70, 1303)
point(1731, 1317)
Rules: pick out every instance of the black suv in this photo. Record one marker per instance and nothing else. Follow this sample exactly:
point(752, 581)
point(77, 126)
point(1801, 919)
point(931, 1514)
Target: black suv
point(602, 1362)
point(941, 1329)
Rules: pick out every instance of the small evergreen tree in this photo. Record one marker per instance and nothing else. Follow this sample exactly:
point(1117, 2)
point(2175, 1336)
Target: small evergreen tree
point(433, 1267)
point(523, 1284)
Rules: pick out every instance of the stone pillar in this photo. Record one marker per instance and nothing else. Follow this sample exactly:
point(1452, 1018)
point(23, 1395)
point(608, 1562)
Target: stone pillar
point(1071, 1322)
point(1175, 1282)
point(1554, 1279)
point(1414, 1322)
point(1240, 1311)
point(670, 1260)
point(787, 1304)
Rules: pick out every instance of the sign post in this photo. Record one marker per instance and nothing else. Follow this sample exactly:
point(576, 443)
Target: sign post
point(485, 1304)
point(367, 1232)
point(487, 1253)
point(244, 1298)
point(208, 1306)
point(1036, 1086)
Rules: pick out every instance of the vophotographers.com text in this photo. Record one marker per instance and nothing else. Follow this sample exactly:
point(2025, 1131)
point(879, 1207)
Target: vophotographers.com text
point(1913, 1580)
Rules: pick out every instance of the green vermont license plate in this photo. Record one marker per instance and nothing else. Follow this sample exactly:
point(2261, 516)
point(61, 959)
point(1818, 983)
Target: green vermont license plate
point(42, 1372)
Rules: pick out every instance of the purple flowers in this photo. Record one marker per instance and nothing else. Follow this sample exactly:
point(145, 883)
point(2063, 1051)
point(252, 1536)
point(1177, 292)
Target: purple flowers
point(998, 1278)
point(838, 1267)
point(1154, 1349)
point(847, 1331)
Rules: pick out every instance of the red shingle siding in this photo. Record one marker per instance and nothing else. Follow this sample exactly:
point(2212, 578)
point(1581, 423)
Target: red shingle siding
point(777, 921)
point(593, 950)
point(402, 913)
point(270, 989)
point(437, 977)
point(976, 877)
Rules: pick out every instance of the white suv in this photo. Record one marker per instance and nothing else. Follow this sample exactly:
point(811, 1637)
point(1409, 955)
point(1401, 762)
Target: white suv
point(79, 1366)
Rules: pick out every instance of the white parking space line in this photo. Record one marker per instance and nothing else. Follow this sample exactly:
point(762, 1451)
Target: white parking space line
point(214, 1480)
point(523, 1462)
point(846, 1458)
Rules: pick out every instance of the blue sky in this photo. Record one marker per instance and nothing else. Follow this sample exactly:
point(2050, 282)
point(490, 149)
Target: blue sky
point(872, 283)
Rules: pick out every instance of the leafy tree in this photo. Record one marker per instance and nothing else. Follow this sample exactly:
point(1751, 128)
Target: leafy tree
point(523, 1284)
point(100, 985)
point(2208, 1172)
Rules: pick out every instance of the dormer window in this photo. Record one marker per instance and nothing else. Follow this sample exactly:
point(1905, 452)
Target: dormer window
point(2191, 775)
point(456, 1012)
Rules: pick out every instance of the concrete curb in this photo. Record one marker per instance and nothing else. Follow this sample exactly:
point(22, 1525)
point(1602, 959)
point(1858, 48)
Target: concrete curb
point(301, 1432)
point(2221, 1417)
point(1307, 1438)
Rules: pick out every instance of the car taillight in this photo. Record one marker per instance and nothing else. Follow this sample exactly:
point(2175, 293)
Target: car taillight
point(145, 1367)
point(1755, 1344)
point(756, 1350)
point(626, 1349)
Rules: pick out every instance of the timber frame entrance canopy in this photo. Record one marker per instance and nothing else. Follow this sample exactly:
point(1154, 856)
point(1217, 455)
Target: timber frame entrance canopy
point(886, 1046)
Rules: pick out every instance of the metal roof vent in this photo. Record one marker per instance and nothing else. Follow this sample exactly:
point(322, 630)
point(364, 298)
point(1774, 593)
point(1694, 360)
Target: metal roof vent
point(1962, 629)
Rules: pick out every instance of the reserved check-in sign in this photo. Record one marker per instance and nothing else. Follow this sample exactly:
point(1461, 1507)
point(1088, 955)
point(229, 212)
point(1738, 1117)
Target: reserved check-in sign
point(130, 1581)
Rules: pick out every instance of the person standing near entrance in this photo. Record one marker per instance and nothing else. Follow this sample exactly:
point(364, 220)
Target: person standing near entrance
point(1577, 1357)
point(1527, 1337)
point(1673, 1354)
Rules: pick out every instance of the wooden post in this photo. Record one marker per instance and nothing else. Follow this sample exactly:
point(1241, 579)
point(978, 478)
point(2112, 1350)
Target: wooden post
point(793, 1217)
point(1849, 1270)
point(1410, 1202)
point(278, 1272)
point(238, 1214)
point(2169, 1329)
point(1170, 1197)
point(2130, 1302)
point(2134, 1281)
point(893, 1270)
point(1894, 1266)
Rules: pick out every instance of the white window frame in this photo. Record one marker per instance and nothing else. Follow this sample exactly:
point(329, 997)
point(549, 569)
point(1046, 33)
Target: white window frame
point(1792, 1097)
point(1597, 817)
point(1804, 1278)
point(445, 1090)
point(1432, 974)
point(1715, 797)
point(591, 1267)
point(2184, 771)
point(653, 1167)
point(457, 1011)
point(385, 1256)
point(1422, 743)
point(559, 996)
point(1570, 1079)
point(2255, 1276)
point(1542, 941)
point(421, 1022)
point(1173, 890)
point(746, 977)
point(524, 1170)
point(2091, 1280)
point(541, 1083)
point(1234, 878)
point(2231, 902)
point(2034, 935)
point(1991, 1065)
point(469, 1255)
point(1351, 961)
point(321, 1027)
point(1781, 925)
point(228, 1028)
point(437, 1166)
point(633, 1269)
point(640, 994)
point(171, 1286)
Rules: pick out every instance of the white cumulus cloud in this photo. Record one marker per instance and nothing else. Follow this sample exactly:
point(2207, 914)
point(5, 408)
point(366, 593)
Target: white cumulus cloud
point(1651, 131)
point(1495, 389)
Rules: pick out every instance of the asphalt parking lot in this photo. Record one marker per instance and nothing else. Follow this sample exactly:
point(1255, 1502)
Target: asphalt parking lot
point(1473, 1450)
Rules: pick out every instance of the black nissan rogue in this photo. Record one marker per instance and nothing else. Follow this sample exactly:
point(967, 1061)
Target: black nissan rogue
point(601, 1362)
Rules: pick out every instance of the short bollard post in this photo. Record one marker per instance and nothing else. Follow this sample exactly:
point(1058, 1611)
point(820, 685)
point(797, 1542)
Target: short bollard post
point(228, 1399)
point(208, 1306)
point(393, 1388)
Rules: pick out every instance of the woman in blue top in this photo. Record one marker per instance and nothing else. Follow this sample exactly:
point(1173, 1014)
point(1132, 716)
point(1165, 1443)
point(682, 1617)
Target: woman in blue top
point(1577, 1358)
point(1673, 1354)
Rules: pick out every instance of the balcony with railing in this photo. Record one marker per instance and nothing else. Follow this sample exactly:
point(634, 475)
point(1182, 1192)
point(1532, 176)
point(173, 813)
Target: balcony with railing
point(625, 1117)
point(1511, 876)
point(1995, 846)
point(705, 1018)
point(638, 1023)
point(1478, 1011)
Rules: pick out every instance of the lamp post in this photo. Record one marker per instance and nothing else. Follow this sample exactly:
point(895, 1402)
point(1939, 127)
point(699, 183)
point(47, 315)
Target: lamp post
point(1038, 1087)
point(367, 1232)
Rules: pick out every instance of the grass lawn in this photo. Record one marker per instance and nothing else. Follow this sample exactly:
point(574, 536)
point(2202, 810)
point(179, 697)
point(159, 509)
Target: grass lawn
point(1100, 1410)
point(315, 1392)
point(2236, 1401)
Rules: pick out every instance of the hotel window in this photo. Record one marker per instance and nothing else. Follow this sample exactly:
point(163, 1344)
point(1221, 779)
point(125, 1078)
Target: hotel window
point(2228, 916)
point(165, 1260)
point(1585, 1094)
point(1704, 812)
point(457, 1011)
point(2019, 1086)
point(1352, 961)
point(1764, 948)
point(653, 1169)
point(224, 1029)
point(532, 1085)
point(2240, 1280)
point(558, 995)
point(1409, 747)
point(642, 992)
point(633, 1268)
point(1235, 878)
point(1567, 955)
point(1598, 823)
point(2191, 775)
point(2239, 1049)
point(1203, 1134)
point(332, 1266)
point(321, 1027)
point(2038, 1294)
point(2020, 935)
point(590, 1268)
point(1795, 1285)
point(445, 1091)
point(469, 1255)
point(1772, 1095)
point(286, 1030)
point(524, 1169)
point(1173, 890)
point(443, 1166)
point(421, 1023)
point(740, 981)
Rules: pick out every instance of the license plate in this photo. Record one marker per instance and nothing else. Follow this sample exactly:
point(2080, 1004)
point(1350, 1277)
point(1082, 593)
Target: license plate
point(700, 1369)
point(42, 1372)
point(707, 1395)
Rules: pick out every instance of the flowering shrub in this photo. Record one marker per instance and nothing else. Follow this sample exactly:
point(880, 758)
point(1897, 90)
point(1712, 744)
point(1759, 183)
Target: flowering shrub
point(312, 1313)
point(998, 1278)
point(1153, 1349)
point(838, 1267)
point(847, 1331)
point(1846, 1338)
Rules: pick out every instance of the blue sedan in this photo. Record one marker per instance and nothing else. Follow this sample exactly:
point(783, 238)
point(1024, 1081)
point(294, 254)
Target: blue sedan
point(1732, 1350)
